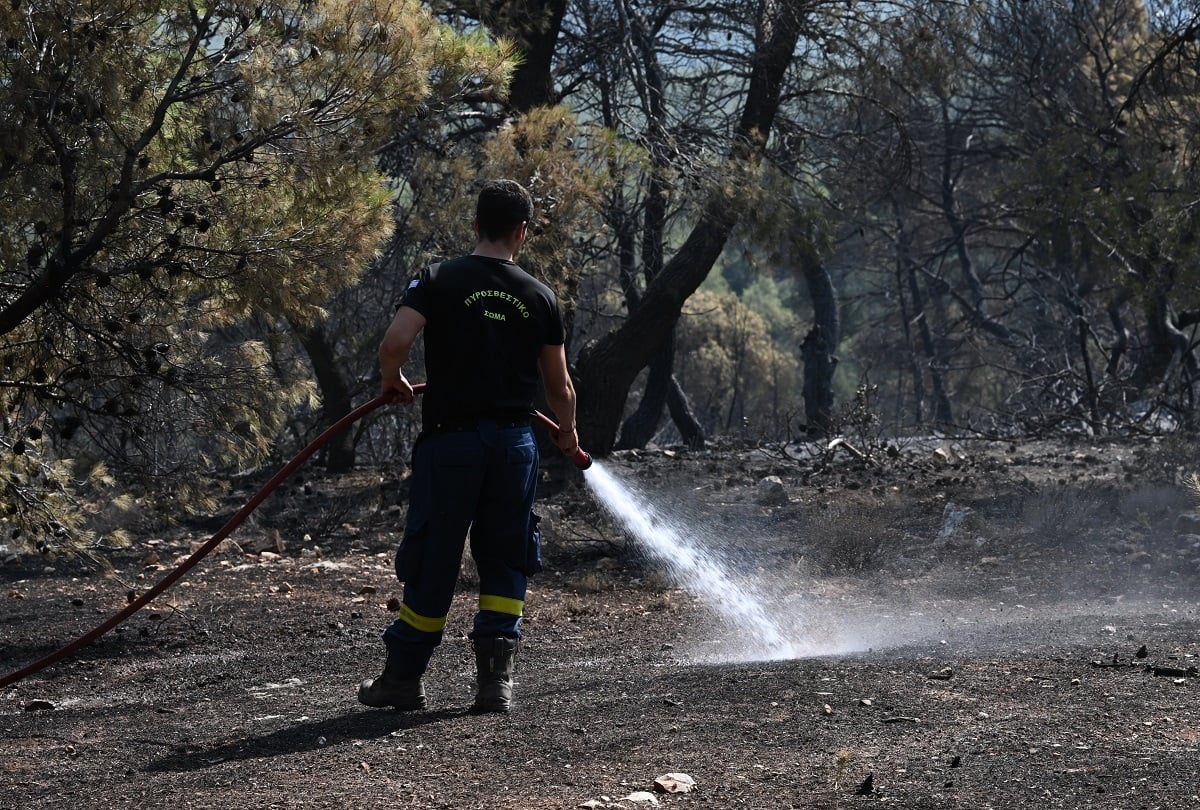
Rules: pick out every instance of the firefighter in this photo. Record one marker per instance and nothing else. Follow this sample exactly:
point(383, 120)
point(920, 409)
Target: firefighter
point(490, 328)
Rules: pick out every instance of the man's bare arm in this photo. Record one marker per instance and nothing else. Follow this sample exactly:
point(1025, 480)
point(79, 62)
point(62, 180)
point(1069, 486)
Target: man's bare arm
point(560, 394)
point(393, 353)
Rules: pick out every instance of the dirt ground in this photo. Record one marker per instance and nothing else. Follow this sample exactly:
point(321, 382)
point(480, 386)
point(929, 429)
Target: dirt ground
point(971, 625)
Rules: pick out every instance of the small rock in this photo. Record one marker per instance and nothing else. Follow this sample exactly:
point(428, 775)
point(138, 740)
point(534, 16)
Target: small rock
point(367, 589)
point(591, 804)
point(982, 716)
point(285, 587)
point(953, 517)
point(39, 705)
point(675, 783)
point(640, 796)
point(941, 675)
point(771, 492)
point(1188, 522)
point(867, 787)
point(393, 604)
point(224, 547)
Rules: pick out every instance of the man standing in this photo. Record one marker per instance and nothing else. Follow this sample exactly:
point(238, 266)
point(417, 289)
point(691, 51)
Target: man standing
point(490, 328)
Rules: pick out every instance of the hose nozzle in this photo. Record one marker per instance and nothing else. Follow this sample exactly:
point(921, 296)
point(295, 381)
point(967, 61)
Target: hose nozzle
point(582, 458)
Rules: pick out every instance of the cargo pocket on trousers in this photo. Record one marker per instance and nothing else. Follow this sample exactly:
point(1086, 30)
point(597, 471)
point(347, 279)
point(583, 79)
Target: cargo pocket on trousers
point(410, 554)
point(533, 547)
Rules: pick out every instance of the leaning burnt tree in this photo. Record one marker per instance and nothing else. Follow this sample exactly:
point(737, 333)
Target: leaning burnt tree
point(606, 369)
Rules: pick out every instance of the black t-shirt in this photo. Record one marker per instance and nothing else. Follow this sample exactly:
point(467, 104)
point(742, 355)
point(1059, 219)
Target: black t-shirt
point(486, 322)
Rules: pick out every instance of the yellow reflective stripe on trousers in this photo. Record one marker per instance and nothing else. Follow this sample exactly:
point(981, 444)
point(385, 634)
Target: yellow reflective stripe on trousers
point(501, 604)
point(425, 624)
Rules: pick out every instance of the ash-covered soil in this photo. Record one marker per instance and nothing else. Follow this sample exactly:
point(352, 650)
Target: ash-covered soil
point(969, 625)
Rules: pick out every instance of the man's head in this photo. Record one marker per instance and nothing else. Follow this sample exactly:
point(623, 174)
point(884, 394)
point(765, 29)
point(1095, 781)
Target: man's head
point(502, 206)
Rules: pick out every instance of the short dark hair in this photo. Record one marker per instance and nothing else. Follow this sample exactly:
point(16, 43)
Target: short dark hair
point(502, 206)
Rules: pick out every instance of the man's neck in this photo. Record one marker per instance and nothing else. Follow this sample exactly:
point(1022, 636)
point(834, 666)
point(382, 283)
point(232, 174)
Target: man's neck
point(495, 250)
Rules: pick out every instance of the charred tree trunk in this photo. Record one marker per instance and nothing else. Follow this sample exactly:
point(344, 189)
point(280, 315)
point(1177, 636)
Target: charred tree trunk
point(533, 25)
point(943, 414)
point(639, 428)
point(684, 417)
point(336, 402)
point(820, 344)
point(819, 364)
point(641, 425)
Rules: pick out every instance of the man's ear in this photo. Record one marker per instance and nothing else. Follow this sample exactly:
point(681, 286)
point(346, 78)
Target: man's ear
point(520, 232)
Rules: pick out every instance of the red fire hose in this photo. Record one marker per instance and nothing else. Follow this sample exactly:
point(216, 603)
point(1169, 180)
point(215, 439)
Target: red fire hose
point(580, 457)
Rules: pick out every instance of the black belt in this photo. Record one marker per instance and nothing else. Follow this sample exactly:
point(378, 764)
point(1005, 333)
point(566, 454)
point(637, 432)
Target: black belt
point(473, 423)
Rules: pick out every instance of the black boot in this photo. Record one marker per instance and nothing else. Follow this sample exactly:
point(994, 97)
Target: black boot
point(389, 689)
point(495, 659)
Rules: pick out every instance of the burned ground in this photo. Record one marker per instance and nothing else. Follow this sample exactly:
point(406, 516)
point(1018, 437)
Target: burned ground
point(977, 625)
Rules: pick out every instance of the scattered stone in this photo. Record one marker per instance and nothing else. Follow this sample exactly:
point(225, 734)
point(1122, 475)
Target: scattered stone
point(675, 783)
point(224, 547)
point(1188, 523)
point(828, 709)
point(771, 492)
point(591, 804)
point(640, 796)
point(953, 517)
point(941, 675)
point(367, 589)
point(1142, 652)
point(982, 716)
point(864, 702)
point(867, 787)
point(151, 559)
point(39, 705)
point(286, 587)
point(393, 604)
point(956, 762)
point(271, 542)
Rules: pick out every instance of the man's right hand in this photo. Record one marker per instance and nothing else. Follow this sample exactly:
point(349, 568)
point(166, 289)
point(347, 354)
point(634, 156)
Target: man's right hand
point(397, 390)
point(566, 440)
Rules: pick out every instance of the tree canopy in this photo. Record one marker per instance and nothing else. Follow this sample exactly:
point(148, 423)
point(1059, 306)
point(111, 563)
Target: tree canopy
point(170, 172)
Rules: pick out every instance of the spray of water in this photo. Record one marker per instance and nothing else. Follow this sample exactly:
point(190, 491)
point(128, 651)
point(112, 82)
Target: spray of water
point(787, 612)
point(690, 565)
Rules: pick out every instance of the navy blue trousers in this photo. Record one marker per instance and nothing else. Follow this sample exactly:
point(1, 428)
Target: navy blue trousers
point(482, 482)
